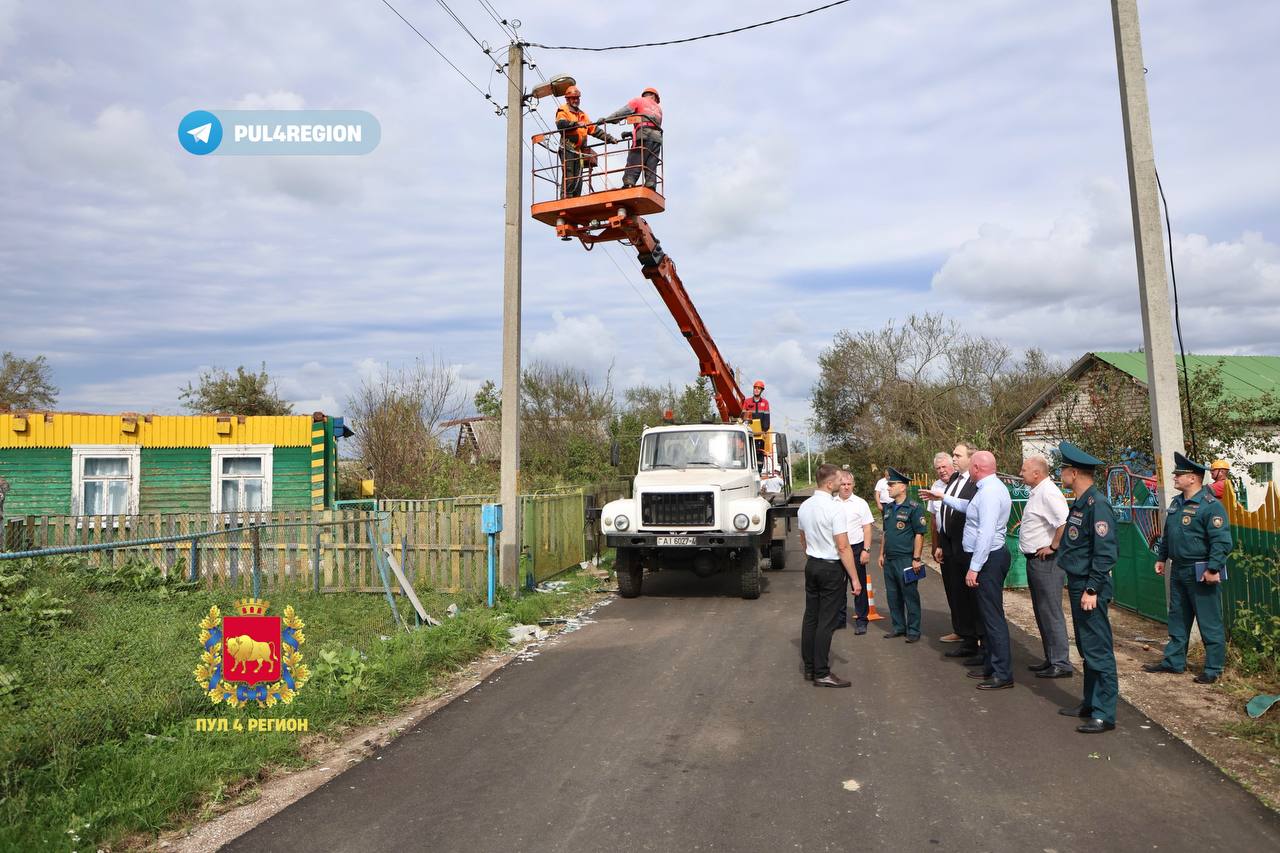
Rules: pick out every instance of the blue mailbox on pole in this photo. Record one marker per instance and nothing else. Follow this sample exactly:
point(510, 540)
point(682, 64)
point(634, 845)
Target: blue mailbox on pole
point(491, 525)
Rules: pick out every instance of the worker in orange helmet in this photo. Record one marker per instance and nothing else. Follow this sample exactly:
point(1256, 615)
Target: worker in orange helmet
point(757, 408)
point(575, 126)
point(1220, 471)
point(645, 112)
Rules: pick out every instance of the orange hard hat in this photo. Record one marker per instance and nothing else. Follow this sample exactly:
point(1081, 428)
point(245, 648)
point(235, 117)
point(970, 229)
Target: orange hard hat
point(649, 90)
point(1220, 463)
point(759, 383)
point(573, 92)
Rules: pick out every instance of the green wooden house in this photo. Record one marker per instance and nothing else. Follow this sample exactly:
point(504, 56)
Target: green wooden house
point(82, 464)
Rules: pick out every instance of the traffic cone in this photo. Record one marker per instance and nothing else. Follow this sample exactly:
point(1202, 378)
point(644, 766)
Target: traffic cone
point(872, 615)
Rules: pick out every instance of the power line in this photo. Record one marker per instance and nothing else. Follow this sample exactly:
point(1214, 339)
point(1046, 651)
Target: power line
point(630, 284)
point(1177, 321)
point(470, 82)
point(465, 28)
point(696, 38)
point(508, 27)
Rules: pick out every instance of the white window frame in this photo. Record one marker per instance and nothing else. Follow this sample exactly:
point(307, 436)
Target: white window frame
point(218, 452)
point(81, 452)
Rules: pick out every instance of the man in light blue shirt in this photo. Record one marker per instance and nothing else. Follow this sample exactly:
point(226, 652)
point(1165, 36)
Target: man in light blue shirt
point(986, 518)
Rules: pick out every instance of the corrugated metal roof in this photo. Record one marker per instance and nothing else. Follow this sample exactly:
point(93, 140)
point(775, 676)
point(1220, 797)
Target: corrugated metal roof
point(39, 429)
point(1243, 376)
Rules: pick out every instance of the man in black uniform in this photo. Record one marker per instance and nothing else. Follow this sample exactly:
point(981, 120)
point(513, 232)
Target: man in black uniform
point(1086, 554)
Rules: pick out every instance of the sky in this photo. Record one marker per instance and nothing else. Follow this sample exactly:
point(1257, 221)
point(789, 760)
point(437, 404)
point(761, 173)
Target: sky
point(831, 172)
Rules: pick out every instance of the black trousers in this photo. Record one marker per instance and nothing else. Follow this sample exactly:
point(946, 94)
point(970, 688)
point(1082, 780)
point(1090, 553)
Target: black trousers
point(962, 599)
point(996, 657)
point(824, 584)
point(859, 600)
point(571, 162)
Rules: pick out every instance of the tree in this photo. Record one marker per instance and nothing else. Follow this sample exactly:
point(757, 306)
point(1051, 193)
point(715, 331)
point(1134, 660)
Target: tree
point(897, 395)
point(25, 383)
point(397, 416)
point(488, 400)
point(244, 393)
point(564, 436)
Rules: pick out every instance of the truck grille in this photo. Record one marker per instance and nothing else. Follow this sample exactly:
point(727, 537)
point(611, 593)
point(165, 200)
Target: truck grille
point(667, 509)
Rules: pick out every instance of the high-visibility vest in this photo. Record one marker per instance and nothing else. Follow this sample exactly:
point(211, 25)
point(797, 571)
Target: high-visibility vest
point(577, 137)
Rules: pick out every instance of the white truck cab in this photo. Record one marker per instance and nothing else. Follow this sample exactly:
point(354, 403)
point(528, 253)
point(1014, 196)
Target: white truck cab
point(697, 504)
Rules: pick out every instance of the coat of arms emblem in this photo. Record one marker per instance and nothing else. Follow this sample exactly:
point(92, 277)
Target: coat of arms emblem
point(251, 656)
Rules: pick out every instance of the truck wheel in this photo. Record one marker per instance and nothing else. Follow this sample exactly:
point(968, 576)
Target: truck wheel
point(630, 574)
point(749, 566)
point(778, 556)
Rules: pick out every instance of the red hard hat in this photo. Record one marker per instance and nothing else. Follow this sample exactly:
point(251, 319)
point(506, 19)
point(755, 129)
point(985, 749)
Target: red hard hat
point(573, 92)
point(759, 383)
point(649, 90)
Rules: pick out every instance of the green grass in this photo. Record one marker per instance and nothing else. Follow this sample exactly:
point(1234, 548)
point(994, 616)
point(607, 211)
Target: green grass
point(98, 700)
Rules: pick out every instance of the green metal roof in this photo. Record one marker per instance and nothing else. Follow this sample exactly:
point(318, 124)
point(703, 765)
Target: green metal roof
point(1243, 376)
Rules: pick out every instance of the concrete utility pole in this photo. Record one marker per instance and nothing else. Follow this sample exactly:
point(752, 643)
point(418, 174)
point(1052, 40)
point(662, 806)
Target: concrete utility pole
point(509, 566)
point(1148, 238)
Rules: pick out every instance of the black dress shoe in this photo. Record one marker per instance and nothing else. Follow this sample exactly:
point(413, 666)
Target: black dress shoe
point(860, 629)
point(1204, 678)
point(995, 684)
point(1095, 727)
point(1159, 667)
point(976, 660)
point(1055, 672)
point(831, 680)
point(892, 634)
point(1080, 710)
point(913, 638)
point(978, 674)
point(962, 652)
point(1039, 667)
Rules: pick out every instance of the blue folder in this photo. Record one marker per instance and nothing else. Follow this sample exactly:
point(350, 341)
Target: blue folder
point(910, 575)
point(1200, 568)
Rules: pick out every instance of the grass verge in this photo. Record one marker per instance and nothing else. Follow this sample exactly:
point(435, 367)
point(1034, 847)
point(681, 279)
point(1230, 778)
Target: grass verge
point(99, 703)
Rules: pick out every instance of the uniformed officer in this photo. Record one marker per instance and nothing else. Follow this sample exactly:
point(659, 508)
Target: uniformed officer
point(1194, 549)
point(904, 529)
point(1086, 554)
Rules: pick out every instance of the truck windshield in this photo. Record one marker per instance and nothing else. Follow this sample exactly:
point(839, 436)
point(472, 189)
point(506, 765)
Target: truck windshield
point(686, 448)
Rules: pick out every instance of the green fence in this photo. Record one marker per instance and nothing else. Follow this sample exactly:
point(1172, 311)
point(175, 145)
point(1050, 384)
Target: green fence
point(1254, 534)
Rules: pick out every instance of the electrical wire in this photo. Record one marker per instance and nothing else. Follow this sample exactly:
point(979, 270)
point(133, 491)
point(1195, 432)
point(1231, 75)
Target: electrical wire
point(696, 38)
point(472, 83)
point(465, 28)
point(630, 284)
point(508, 27)
point(1177, 321)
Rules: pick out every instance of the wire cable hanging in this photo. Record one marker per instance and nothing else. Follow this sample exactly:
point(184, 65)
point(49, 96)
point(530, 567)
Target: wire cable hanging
point(470, 82)
point(696, 38)
point(1177, 322)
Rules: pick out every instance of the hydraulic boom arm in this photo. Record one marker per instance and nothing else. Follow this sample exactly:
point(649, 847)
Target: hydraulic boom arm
point(658, 267)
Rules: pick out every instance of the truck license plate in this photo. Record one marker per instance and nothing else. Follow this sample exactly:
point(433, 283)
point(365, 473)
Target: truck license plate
point(675, 540)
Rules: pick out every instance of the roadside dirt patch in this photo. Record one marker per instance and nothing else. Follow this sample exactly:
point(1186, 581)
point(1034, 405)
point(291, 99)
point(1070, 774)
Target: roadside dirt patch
point(1199, 715)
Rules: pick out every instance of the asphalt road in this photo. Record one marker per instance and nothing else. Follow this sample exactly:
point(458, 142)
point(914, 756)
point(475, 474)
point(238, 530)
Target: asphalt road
point(679, 721)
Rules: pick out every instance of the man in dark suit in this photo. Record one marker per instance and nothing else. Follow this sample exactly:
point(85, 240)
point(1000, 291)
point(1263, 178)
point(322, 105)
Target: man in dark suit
point(955, 562)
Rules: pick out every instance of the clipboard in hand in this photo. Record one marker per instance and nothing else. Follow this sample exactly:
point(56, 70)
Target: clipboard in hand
point(1202, 566)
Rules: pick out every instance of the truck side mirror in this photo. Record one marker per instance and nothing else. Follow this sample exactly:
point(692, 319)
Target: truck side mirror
point(615, 454)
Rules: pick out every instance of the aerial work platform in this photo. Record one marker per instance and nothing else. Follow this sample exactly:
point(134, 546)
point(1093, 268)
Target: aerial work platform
point(583, 193)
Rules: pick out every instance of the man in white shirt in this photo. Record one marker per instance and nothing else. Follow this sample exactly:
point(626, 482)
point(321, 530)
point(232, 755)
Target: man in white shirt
point(882, 494)
point(858, 514)
point(1043, 521)
point(825, 539)
point(771, 486)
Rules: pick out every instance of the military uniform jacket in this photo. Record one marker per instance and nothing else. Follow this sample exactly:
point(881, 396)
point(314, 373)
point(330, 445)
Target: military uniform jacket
point(905, 520)
point(1088, 548)
point(1196, 530)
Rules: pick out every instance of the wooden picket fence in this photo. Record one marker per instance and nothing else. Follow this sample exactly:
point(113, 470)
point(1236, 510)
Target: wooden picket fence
point(439, 543)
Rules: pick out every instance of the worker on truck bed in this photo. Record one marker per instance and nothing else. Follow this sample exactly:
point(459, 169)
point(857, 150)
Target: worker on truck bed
point(757, 408)
point(575, 126)
point(645, 112)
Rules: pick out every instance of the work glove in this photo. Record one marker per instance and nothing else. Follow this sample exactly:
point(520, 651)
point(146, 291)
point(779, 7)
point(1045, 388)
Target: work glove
point(611, 139)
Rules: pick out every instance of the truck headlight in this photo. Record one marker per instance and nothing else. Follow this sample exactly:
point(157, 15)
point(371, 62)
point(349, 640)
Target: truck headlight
point(741, 522)
point(621, 523)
